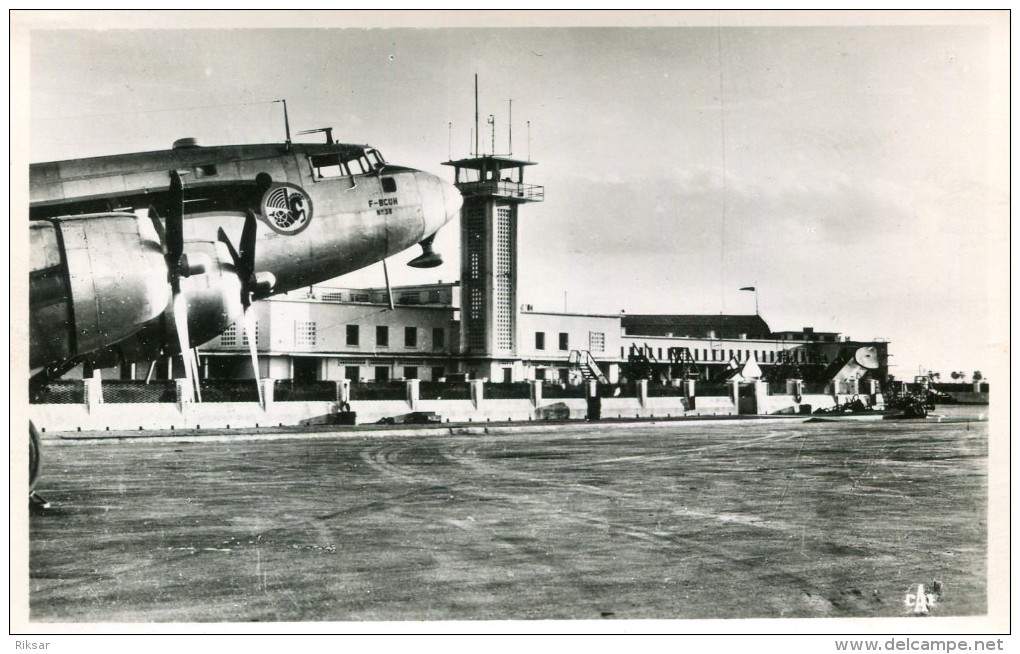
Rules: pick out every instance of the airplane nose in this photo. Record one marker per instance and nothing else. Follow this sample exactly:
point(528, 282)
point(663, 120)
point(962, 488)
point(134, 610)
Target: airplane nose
point(441, 201)
point(453, 200)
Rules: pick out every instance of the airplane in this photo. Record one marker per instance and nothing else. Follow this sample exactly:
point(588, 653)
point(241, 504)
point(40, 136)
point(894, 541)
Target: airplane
point(139, 256)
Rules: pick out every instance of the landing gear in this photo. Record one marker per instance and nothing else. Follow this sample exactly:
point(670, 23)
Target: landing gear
point(35, 501)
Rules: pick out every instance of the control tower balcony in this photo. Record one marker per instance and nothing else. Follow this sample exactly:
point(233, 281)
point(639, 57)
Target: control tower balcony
point(513, 191)
point(495, 177)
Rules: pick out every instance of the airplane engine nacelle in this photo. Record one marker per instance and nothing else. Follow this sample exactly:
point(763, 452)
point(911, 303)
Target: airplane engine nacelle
point(213, 297)
point(94, 281)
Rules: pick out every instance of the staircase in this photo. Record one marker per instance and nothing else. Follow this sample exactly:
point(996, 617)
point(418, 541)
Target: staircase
point(681, 363)
point(582, 360)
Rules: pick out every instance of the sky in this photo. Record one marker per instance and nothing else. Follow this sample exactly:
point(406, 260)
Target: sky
point(855, 173)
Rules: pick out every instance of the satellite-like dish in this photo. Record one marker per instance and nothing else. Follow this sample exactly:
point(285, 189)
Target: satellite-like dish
point(867, 357)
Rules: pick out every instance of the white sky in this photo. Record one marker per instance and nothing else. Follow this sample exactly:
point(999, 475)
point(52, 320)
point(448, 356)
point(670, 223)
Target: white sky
point(858, 175)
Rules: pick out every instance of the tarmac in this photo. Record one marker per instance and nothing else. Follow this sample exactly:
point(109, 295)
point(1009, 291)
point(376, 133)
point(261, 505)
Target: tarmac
point(672, 520)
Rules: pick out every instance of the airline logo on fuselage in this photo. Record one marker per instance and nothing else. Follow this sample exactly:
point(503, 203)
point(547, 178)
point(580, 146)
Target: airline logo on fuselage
point(286, 208)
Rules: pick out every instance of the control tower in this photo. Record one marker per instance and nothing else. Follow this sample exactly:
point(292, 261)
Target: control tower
point(493, 188)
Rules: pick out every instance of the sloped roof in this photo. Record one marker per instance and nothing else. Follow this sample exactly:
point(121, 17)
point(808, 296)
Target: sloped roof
point(697, 326)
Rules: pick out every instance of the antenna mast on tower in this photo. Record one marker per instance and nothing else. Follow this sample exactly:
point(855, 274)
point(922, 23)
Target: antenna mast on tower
point(476, 114)
point(510, 129)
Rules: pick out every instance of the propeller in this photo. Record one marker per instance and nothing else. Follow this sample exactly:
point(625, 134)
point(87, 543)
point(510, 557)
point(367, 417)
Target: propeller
point(172, 237)
point(253, 285)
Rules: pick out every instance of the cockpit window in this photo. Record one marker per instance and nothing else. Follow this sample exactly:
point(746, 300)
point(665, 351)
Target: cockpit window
point(327, 167)
point(356, 162)
point(389, 185)
point(376, 158)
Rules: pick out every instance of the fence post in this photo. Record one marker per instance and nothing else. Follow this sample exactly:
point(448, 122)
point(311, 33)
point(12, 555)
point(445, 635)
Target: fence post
point(185, 392)
point(477, 392)
point(268, 391)
point(343, 391)
point(642, 391)
point(735, 394)
point(795, 387)
point(413, 392)
point(93, 390)
point(761, 390)
point(536, 392)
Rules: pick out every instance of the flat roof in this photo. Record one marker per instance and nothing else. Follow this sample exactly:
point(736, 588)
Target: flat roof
point(487, 161)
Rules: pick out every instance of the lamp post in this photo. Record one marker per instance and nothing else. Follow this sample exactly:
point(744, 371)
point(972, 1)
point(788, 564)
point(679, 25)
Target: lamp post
point(755, 289)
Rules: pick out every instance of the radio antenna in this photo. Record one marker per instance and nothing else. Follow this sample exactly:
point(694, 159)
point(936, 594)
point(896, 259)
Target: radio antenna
point(529, 140)
point(492, 127)
point(510, 128)
point(449, 141)
point(286, 121)
point(476, 114)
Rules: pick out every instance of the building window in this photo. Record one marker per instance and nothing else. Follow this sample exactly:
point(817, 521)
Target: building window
point(564, 341)
point(304, 333)
point(229, 337)
point(353, 335)
point(360, 297)
point(382, 336)
point(434, 297)
point(352, 373)
point(332, 296)
point(660, 354)
point(438, 338)
point(540, 374)
point(475, 265)
point(410, 372)
point(438, 373)
point(772, 357)
point(539, 340)
point(410, 337)
point(382, 374)
point(596, 342)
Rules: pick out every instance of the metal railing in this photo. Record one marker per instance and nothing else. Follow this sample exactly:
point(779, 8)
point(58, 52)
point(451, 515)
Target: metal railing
point(509, 190)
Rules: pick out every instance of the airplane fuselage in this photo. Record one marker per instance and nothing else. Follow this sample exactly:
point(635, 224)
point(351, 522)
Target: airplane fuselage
point(323, 210)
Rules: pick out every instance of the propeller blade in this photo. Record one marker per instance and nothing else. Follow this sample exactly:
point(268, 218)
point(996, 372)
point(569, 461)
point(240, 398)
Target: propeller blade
point(250, 321)
point(175, 219)
point(222, 237)
point(247, 252)
point(197, 377)
point(157, 224)
point(180, 304)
